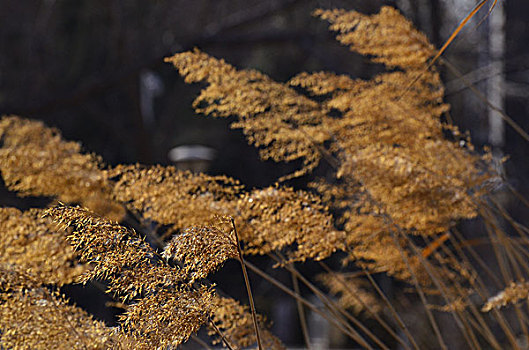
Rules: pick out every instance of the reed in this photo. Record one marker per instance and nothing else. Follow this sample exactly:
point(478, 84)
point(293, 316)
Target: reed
point(401, 181)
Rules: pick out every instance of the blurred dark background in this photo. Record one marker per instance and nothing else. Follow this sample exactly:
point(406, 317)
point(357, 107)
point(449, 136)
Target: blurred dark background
point(94, 69)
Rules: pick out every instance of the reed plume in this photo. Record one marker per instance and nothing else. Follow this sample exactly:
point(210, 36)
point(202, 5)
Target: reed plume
point(382, 138)
point(400, 181)
point(33, 244)
point(36, 161)
point(39, 319)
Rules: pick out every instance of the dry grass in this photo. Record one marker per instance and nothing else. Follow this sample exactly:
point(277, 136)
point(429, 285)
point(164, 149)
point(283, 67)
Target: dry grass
point(398, 189)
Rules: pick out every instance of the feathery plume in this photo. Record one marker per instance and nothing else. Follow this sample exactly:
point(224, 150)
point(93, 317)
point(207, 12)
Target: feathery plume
point(172, 197)
point(388, 147)
point(164, 309)
point(36, 161)
point(274, 117)
point(386, 36)
point(39, 319)
point(33, 244)
point(168, 317)
point(202, 250)
point(513, 293)
point(269, 219)
point(274, 218)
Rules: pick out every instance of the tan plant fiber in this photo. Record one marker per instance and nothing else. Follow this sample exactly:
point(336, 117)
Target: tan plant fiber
point(37, 318)
point(36, 161)
point(201, 250)
point(163, 311)
point(398, 182)
point(273, 116)
point(352, 293)
point(512, 294)
point(34, 244)
point(270, 218)
point(387, 143)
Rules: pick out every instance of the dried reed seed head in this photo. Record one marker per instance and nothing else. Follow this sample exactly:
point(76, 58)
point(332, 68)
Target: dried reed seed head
point(458, 305)
point(386, 137)
point(383, 138)
point(275, 218)
point(36, 161)
point(267, 219)
point(274, 117)
point(172, 197)
point(352, 292)
point(385, 144)
point(145, 279)
point(15, 278)
point(512, 294)
point(201, 250)
point(387, 36)
point(164, 311)
point(168, 317)
point(380, 253)
point(236, 324)
point(38, 319)
point(34, 245)
point(108, 246)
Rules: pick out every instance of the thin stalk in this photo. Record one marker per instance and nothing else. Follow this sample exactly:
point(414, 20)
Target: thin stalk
point(483, 329)
point(442, 288)
point(448, 42)
point(478, 286)
point(483, 291)
point(335, 321)
point(219, 332)
point(301, 313)
point(505, 274)
point(420, 291)
point(477, 258)
point(338, 311)
point(517, 194)
point(392, 310)
point(484, 99)
point(368, 308)
point(247, 282)
point(513, 257)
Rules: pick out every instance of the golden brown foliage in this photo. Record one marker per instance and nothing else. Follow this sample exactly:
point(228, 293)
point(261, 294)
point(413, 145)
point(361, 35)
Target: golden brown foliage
point(14, 277)
point(512, 294)
point(268, 219)
point(201, 250)
point(398, 187)
point(284, 123)
point(36, 161)
point(33, 244)
point(387, 144)
point(162, 312)
point(108, 246)
point(167, 317)
point(172, 197)
point(387, 36)
point(165, 308)
point(273, 218)
point(38, 319)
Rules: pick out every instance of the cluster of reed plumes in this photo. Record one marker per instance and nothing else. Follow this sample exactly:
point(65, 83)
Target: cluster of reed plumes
point(401, 181)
